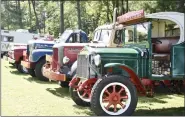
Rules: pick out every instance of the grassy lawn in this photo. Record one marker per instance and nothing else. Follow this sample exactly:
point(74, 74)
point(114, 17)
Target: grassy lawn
point(22, 95)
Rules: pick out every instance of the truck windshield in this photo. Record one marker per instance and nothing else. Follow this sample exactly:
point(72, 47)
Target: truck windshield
point(136, 33)
point(65, 35)
point(102, 36)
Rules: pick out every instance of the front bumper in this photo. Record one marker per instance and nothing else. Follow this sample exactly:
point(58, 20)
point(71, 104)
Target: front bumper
point(11, 60)
point(28, 64)
point(53, 75)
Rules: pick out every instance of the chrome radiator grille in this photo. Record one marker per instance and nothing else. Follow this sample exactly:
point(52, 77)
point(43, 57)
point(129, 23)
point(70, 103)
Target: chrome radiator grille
point(83, 66)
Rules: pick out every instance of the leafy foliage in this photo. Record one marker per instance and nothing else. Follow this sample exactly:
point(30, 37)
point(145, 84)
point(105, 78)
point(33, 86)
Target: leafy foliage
point(93, 13)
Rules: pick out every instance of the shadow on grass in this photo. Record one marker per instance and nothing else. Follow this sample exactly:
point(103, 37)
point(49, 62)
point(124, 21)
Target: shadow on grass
point(12, 67)
point(156, 99)
point(18, 73)
point(180, 111)
point(60, 92)
point(35, 79)
point(86, 110)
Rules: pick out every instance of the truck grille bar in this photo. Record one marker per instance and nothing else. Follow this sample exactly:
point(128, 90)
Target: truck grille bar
point(83, 66)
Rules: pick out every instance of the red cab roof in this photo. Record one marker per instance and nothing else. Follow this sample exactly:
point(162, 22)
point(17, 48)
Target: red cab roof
point(132, 16)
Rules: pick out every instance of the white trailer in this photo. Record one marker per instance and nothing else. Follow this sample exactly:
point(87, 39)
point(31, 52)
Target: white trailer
point(15, 38)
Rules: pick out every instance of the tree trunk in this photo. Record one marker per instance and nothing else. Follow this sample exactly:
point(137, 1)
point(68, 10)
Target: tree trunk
point(117, 5)
point(8, 20)
point(127, 5)
point(30, 13)
point(181, 6)
point(20, 15)
point(98, 16)
point(78, 12)
point(108, 20)
point(122, 7)
point(61, 17)
point(37, 21)
point(113, 4)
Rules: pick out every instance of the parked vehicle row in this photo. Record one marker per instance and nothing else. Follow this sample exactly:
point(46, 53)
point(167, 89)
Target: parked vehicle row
point(125, 59)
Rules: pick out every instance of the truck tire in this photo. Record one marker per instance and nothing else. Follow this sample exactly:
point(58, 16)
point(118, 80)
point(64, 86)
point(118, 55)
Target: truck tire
point(113, 90)
point(38, 70)
point(31, 72)
point(66, 84)
point(75, 97)
point(21, 69)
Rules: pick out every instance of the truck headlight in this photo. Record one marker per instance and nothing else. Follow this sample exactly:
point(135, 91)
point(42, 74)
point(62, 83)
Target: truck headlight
point(97, 60)
point(65, 60)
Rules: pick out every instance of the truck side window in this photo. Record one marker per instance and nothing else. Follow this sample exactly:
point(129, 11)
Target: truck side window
point(97, 35)
point(104, 35)
point(82, 38)
point(142, 32)
point(130, 36)
point(118, 37)
point(78, 40)
point(71, 39)
point(8, 39)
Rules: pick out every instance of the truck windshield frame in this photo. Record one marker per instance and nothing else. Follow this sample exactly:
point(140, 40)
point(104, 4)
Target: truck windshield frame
point(102, 35)
point(65, 35)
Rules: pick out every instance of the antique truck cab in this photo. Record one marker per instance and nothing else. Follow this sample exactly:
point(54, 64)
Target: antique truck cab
point(15, 56)
point(110, 79)
point(34, 54)
point(34, 58)
point(62, 65)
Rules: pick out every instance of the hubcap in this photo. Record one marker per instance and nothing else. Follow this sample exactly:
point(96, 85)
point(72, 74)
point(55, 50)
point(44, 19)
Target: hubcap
point(85, 94)
point(115, 98)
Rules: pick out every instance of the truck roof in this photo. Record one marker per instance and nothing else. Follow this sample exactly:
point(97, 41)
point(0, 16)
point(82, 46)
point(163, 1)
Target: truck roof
point(41, 41)
point(135, 17)
point(106, 26)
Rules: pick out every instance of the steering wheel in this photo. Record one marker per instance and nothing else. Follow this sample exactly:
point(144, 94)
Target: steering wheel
point(156, 41)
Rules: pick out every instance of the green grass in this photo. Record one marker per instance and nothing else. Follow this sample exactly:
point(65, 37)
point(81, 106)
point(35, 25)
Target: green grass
point(23, 95)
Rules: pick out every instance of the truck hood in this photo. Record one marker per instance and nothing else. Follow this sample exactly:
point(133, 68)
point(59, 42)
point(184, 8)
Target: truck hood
point(14, 46)
point(20, 48)
point(99, 44)
point(40, 41)
point(42, 50)
point(116, 50)
point(90, 50)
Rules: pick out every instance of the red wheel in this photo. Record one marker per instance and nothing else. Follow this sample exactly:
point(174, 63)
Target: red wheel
point(85, 93)
point(113, 95)
point(82, 96)
point(115, 98)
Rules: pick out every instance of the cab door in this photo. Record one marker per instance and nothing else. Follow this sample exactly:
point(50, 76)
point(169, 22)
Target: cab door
point(178, 60)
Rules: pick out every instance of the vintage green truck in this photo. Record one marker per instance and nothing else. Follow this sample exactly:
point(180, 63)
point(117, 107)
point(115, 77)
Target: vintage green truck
point(110, 79)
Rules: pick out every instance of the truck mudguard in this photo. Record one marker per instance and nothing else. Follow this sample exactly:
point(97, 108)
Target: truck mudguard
point(133, 76)
point(39, 53)
point(73, 68)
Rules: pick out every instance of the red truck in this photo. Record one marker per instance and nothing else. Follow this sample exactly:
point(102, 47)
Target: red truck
point(15, 56)
point(37, 51)
point(61, 66)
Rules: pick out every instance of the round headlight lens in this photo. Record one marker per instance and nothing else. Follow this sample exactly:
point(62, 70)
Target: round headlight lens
point(97, 60)
point(65, 60)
